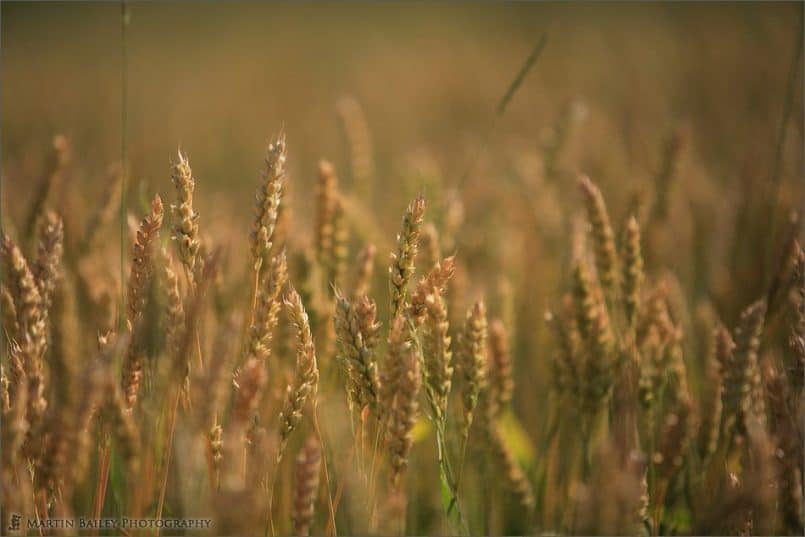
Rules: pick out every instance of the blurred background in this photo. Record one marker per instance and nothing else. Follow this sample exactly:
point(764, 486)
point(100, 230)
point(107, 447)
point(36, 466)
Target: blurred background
point(687, 115)
point(218, 79)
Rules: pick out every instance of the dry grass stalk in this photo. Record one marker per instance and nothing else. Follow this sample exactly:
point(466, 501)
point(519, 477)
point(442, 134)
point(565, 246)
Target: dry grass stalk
point(306, 486)
point(402, 260)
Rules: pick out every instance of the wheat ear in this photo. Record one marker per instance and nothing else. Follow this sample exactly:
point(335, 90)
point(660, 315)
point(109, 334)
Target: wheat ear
point(606, 258)
point(47, 267)
point(632, 271)
point(402, 260)
point(357, 336)
point(143, 260)
point(472, 361)
point(400, 384)
point(267, 307)
point(306, 379)
point(501, 379)
point(434, 282)
point(185, 228)
point(359, 139)
point(268, 198)
point(306, 486)
point(364, 270)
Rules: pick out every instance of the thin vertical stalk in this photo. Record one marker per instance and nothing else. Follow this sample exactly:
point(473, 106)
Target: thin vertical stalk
point(173, 404)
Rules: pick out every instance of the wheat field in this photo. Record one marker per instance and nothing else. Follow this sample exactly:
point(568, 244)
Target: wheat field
point(402, 269)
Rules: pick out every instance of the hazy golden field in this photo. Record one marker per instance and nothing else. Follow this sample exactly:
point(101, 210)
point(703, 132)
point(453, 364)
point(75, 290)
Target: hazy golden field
point(332, 268)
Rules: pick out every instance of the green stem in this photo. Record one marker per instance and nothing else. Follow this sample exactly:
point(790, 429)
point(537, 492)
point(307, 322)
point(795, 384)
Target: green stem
point(331, 522)
point(446, 474)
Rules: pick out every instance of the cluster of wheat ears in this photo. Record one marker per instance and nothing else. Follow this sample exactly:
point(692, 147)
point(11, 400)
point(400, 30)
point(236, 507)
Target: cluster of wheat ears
point(203, 394)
